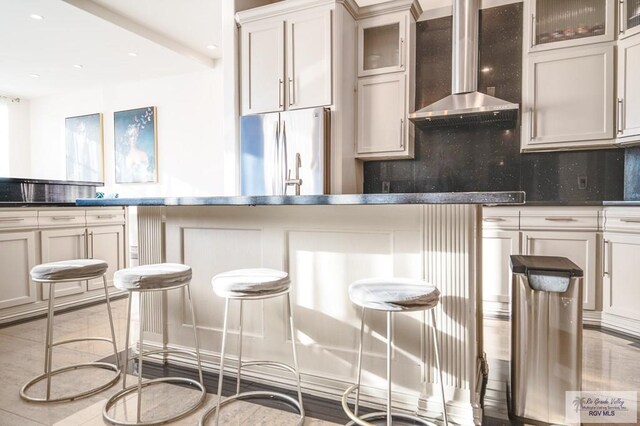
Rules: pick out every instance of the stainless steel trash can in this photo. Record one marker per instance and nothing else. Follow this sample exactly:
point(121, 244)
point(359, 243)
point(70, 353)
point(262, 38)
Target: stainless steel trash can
point(546, 336)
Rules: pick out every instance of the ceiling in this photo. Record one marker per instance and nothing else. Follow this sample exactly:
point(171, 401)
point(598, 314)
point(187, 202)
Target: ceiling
point(168, 36)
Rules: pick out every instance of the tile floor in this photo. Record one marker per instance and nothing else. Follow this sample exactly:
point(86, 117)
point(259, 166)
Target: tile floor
point(609, 362)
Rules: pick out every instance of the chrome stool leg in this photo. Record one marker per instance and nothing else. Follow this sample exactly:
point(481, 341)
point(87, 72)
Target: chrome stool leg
point(437, 350)
point(49, 372)
point(141, 384)
point(255, 394)
point(239, 353)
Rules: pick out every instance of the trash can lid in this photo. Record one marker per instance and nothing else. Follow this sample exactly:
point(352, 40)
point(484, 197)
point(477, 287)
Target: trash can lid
point(524, 264)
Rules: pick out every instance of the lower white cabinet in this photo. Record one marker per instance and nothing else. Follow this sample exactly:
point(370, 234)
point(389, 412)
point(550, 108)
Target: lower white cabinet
point(579, 247)
point(29, 237)
point(63, 244)
point(106, 243)
point(621, 281)
point(497, 247)
point(17, 257)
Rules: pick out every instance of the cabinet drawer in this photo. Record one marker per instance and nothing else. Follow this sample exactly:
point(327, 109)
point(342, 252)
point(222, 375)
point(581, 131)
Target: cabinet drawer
point(622, 219)
point(58, 218)
point(565, 220)
point(104, 217)
point(500, 218)
point(18, 219)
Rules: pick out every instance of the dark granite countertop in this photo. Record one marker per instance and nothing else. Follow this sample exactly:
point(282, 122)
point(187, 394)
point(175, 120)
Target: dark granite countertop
point(582, 203)
point(21, 204)
point(49, 181)
point(493, 198)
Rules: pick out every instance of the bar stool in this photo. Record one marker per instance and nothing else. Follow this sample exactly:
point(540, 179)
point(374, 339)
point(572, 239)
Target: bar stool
point(254, 284)
point(392, 295)
point(60, 272)
point(150, 278)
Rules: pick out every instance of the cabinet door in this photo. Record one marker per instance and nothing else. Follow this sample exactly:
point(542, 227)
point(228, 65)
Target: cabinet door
point(309, 59)
point(262, 66)
point(569, 99)
point(628, 114)
point(621, 292)
point(552, 24)
point(382, 46)
point(579, 247)
point(18, 257)
point(63, 244)
point(629, 15)
point(382, 124)
point(497, 246)
point(106, 243)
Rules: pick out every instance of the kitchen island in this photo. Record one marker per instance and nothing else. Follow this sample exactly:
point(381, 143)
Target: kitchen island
point(326, 242)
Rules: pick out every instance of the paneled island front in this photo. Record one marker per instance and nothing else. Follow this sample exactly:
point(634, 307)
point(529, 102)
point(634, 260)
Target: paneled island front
point(325, 243)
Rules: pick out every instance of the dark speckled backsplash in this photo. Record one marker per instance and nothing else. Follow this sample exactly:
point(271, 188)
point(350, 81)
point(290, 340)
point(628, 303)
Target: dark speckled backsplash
point(486, 157)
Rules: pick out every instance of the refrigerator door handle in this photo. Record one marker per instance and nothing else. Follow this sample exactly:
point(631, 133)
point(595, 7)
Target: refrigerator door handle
point(275, 161)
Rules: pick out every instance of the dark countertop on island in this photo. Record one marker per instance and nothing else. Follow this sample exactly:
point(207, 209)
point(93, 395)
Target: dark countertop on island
point(487, 198)
point(27, 192)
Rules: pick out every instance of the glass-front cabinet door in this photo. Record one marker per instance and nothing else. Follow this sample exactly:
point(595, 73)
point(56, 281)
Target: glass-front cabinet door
point(381, 44)
point(629, 14)
point(553, 24)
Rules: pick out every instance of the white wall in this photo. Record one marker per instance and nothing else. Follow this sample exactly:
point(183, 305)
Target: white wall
point(19, 163)
point(189, 132)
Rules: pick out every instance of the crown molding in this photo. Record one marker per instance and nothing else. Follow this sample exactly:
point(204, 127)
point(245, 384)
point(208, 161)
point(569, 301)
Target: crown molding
point(389, 7)
point(276, 9)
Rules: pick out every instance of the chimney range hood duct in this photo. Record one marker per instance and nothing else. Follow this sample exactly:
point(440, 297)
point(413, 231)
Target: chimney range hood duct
point(465, 104)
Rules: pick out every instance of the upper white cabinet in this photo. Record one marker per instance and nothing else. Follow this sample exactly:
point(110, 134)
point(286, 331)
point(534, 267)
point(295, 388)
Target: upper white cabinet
point(382, 115)
point(262, 70)
point(628, 18)
point(386, 88)
point(553, 24)
point(568, 99)
point(299, 43)
point(382, 44)
point(309, 59)
point(628, 102)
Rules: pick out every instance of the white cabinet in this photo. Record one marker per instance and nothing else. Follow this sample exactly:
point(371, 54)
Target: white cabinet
point(579, 247)
point(628, 102)
point(382, 46)
point(305, 53)
point(262, 70)
point(382, 123)
point(386, 90)
point(309, 59)
point(553, 24)
point(568, 99)
point(63, 244)
point(106, 243)
point(629, 18)
point(620, 275)
point(497, 247)
point(17, 257)
point(32, 236)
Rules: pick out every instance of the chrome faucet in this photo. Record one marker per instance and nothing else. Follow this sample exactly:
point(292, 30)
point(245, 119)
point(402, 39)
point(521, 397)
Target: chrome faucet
point(297, 182)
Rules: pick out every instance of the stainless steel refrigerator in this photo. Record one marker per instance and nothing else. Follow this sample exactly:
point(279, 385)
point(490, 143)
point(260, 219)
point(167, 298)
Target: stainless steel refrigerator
point(285, 153)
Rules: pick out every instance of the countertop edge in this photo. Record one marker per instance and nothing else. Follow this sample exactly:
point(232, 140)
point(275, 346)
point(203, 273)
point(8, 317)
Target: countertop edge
point(482, 198)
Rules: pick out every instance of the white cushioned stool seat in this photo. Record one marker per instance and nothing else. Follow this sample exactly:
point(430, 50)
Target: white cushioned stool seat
point(69, 269)
point(150, 277)
point(394, 294)
point(252, 281)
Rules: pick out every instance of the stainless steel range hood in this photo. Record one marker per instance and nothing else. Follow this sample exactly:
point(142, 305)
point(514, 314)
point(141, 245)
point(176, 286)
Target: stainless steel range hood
point(465, 104)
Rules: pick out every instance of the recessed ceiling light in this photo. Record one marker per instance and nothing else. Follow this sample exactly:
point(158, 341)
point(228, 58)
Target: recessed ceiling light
point(77, 66)
point(36, 17)
point(212, 47)
point(133, 54)
point(35, 75)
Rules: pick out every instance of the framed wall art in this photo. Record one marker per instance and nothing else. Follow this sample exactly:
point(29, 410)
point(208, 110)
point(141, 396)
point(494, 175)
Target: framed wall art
point(84, 148)
point(136, 148)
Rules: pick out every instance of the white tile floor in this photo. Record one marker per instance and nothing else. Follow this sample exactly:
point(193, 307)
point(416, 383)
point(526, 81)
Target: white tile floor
point(22, 358)
point(609, 362)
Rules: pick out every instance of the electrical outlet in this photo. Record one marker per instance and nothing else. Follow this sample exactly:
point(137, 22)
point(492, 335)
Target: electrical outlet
point(582, 182)
point(385, 186)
